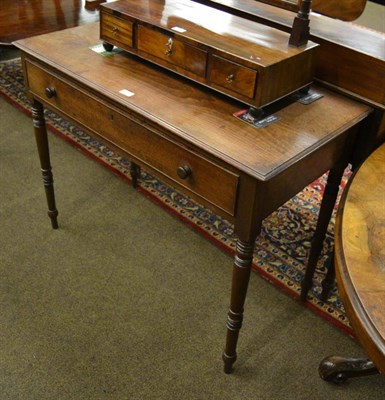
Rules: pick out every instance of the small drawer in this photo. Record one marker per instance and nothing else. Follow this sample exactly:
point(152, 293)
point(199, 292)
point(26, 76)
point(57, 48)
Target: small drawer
point(200, 176)
point(233, 77)
point(172, 50)
point(116, 29)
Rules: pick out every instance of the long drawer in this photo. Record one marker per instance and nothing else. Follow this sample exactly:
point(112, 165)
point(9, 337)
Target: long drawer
point(199, 175)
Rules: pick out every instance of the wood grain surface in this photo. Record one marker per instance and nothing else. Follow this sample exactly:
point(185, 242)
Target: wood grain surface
point(350, 57)
point(345, 10)
point(360, 255)
point(183, 36)
point(261, 153)
point(20, 19)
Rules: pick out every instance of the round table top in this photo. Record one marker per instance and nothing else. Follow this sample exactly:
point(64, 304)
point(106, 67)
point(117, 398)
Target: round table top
point(360, 255)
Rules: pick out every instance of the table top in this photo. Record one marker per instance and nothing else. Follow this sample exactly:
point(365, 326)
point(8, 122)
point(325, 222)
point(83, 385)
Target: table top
point(353, 36)
point(347, 10)
point(194, 113)
point(20, 18)
point(360, 255)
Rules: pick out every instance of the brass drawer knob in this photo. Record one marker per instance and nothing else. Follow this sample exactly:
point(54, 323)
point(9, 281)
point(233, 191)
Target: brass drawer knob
point(230, 78)
point(115, 31)
point(184, 171)
point(169, 45)
point(50, 92)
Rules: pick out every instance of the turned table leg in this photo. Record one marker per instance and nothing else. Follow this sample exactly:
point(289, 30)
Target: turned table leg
point(328, 201)
point(43, 149)
point(339, 369)
point(241, 275)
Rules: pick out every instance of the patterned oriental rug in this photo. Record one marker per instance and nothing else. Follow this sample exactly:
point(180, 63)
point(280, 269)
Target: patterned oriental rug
point(281, 250)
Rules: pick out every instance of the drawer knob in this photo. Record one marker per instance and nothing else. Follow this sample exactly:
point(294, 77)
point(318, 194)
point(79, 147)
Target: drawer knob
point(50, 92)
point(230, 78)
point(169, 44)
point(184, 171)
point(115, 31)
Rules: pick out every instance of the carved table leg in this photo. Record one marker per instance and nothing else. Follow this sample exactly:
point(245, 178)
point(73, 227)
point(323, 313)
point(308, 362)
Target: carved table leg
point(328, 201)
point(135, 174)
point(240, 281)
point(43, 149)
point(339, 369)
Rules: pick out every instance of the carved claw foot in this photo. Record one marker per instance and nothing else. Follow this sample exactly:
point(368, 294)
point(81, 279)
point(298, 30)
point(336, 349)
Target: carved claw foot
point(338, 369)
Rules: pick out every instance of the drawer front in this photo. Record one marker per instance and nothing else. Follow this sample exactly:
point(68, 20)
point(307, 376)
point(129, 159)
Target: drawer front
point(116, 29)
point(233, 77)
point(172, 50)
point(208, 180)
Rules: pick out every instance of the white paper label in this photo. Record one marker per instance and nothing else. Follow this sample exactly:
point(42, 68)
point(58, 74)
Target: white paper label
point(178, 29)
point(126, 92)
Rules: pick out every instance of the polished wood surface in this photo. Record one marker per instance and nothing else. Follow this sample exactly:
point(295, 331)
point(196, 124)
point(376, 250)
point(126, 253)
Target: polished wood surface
point(346, 10)
point(253, 170)
point(350, 58)
point(360, 264)
point(360, 255)
point(20, 19)
point(257, 63)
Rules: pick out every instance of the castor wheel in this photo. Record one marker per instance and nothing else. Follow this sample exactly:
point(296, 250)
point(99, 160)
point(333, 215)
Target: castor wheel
point(107, 46)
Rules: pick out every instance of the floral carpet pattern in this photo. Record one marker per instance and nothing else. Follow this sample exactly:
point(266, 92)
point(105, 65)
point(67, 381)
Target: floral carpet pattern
point(281, 250)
